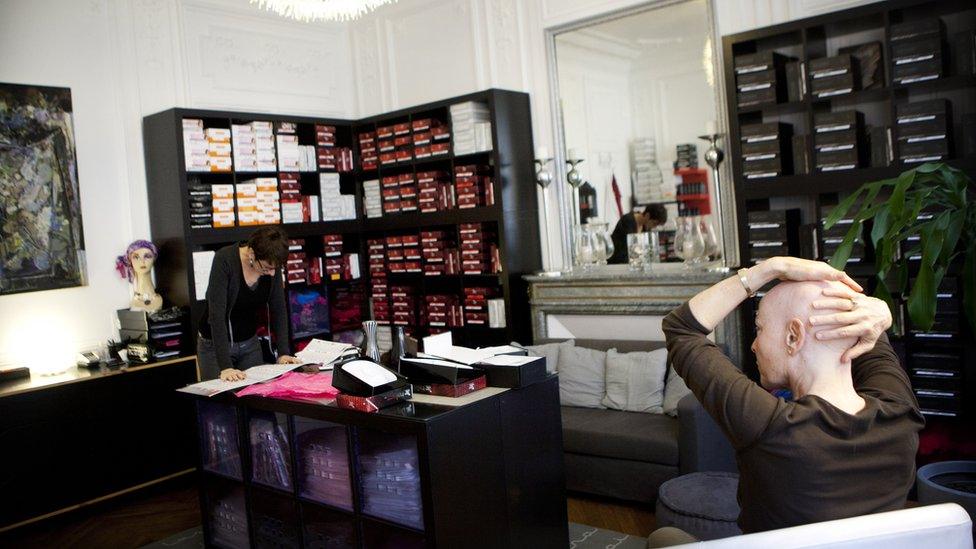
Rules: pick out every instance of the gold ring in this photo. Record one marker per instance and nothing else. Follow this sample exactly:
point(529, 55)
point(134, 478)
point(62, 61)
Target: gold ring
point(853, 303)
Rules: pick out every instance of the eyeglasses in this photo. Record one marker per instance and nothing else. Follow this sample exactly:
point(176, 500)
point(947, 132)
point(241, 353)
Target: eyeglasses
point(264, 268)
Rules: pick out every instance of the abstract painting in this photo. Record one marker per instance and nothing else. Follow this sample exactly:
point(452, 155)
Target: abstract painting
point(42, 244)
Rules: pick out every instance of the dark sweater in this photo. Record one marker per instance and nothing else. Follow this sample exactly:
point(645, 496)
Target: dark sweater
point(805, 461)
point(625, 226)
point(226, 279)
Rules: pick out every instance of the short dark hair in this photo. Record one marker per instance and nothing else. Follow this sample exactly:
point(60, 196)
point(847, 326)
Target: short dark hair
point(270, 245)
point(656, 212)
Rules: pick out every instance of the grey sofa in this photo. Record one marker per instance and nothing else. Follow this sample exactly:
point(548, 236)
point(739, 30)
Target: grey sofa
point(628, 455)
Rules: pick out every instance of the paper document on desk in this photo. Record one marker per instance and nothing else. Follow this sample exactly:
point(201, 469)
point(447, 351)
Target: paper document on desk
point(508, 360)
point(256, 374)
point(442, 346)
point(324, 352)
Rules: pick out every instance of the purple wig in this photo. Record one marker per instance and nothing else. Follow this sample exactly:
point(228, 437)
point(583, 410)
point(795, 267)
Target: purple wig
point(124, 265)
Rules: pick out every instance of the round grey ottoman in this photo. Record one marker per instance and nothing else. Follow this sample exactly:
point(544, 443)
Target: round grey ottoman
point(702, 504)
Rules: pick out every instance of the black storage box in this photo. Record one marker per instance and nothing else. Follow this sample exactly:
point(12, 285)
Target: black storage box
point(917, 28)
point(825, 67)
point(837, 160)
point(755, 62)
point(916, 50)
point(833, 85)
point(801, 154)
point(767, 96)
point(764, 149)
point(837, 121)
point(879, 146)
point(795, 81)
point(769, 167)
point(353, 385)
point(841, 140)
point(785, 218)
point(923, 151)
point(765, 132)
point(421, 371)
point(868, 59)
point(964, 52)
point(764, 250)
point(768, 234)
point(918, 72)
point(516, 375)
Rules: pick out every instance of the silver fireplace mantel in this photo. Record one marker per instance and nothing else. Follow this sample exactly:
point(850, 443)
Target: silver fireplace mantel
point(613, 290)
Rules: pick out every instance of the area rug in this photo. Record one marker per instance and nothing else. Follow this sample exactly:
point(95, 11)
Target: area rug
point(580, 537)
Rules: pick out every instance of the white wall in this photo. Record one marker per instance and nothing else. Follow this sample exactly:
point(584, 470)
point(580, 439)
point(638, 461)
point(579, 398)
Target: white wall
point(124, 59)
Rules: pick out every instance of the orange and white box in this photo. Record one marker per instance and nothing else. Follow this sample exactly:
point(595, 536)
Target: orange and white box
point(247, 218)
point(218, 149)
point(223, 205)
point(223, 219)
point(219, 135)
point(220, 163)
point(269, 218)
point(247, 204)
point(266, 184)
point(222, 190)
point(246, 189)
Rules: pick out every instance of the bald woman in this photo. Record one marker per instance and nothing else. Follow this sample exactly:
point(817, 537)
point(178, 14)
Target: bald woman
point(845, 445)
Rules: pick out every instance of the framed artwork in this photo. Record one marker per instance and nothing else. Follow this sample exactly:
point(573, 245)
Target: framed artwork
point(42, 243)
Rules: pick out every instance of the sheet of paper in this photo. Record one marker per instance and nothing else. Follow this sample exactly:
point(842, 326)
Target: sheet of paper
point(438, 345)
point(509, 360)
point(257, 374)
point(369, 372)
point(504, 349)
point(439, 362)
point(202, 263)
point(323, 352)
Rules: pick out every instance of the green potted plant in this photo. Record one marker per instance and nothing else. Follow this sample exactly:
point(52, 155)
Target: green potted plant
point(939, 190)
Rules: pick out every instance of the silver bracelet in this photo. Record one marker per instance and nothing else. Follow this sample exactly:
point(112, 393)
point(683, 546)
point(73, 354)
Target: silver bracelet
point(745, 282)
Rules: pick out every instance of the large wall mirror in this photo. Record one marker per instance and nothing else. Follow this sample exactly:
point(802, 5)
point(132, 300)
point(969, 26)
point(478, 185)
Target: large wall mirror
point(629, 91)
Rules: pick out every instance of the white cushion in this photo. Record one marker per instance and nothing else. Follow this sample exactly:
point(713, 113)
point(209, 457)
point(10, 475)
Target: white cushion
point(946, 526)
point(674, 390)
point(582, 377)
point(635, 381)
point(548, 350)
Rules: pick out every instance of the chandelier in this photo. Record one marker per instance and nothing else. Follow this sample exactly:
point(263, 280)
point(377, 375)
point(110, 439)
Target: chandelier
point(321, 10)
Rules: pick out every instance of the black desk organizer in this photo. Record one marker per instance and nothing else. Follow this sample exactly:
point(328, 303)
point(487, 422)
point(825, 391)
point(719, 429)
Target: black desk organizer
point(291, 474)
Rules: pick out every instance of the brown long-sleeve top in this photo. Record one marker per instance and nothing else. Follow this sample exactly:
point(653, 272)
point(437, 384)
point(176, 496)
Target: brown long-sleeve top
point(805, 461)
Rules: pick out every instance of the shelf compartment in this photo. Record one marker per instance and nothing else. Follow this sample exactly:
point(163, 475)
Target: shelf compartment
point(270, 449)
point(389, 477)
point(219, 442)
point(274, 520)
point(225, 514)
point(325, 528)
point(377, 535)
point(323, 462)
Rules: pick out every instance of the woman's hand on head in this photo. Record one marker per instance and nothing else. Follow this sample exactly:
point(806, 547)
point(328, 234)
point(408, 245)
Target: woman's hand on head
point(288, 359)
point(855, 315)
point(796, 269)
point(232, 374)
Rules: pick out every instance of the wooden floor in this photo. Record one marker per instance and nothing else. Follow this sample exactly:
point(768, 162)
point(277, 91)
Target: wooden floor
point(636, 519)
point(158, 512)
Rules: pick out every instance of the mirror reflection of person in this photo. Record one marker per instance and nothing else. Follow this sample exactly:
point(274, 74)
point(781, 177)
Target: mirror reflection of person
point(136, 266)
point(245, 278)
point(653, 216)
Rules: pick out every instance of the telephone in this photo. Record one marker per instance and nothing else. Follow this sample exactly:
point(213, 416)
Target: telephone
point(87, 359)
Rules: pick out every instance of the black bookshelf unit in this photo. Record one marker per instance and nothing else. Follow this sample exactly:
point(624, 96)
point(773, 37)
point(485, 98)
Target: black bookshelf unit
point(293, 474)
point(511, 219)
point(799, 80)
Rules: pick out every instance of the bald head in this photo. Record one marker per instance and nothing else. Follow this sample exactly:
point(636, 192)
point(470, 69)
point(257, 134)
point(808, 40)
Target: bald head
point(794, 300)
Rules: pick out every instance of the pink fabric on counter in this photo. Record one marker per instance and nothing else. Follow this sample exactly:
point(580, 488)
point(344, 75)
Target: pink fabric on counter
point(294, 385)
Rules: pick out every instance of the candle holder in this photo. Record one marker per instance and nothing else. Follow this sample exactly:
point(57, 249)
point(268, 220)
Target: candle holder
point(543, 178)
point(574, 179)
point(714, 157)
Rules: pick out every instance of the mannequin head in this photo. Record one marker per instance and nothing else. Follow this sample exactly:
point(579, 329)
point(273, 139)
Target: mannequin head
point(138, 260)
